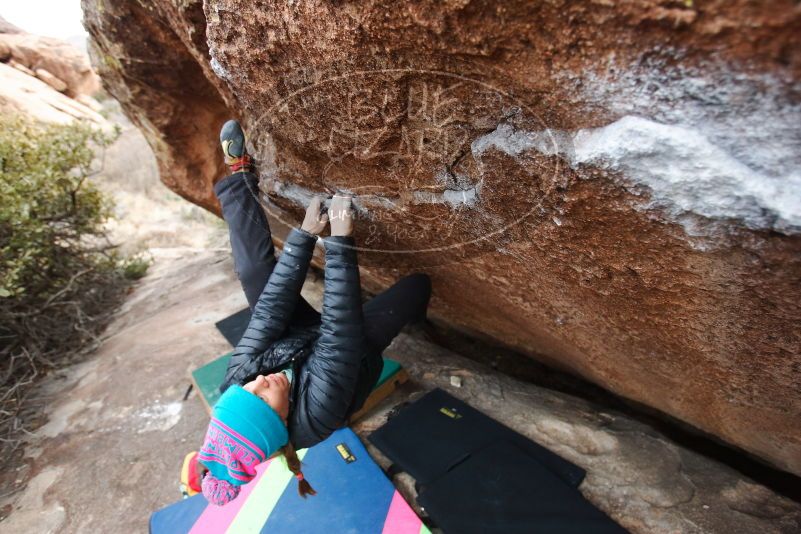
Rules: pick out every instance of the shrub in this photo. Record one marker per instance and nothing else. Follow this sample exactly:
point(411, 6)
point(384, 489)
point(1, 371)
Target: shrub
point(60, 279)
point(136, 266)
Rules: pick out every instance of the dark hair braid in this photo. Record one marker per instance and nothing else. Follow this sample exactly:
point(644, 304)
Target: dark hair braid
point(293, 462)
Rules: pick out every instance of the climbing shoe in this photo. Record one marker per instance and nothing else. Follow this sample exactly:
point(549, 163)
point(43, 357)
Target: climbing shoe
point(232, 139)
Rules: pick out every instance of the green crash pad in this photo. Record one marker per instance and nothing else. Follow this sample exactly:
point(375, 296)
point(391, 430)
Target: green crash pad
point(208, 378)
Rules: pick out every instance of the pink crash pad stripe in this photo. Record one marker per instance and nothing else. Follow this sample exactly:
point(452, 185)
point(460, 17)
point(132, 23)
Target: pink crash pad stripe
point(217, 519)
point(401, 519)
point(262, 500)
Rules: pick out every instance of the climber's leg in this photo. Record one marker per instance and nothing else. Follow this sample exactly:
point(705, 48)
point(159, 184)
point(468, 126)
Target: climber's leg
point(251, 240)
point(387, 313)
point(249, 231)
point(384, 316)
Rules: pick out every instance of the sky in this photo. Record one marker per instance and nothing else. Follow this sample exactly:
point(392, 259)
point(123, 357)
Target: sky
point(52, 18)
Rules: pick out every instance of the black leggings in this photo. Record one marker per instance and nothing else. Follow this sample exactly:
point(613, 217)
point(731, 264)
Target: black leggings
point(254, 259)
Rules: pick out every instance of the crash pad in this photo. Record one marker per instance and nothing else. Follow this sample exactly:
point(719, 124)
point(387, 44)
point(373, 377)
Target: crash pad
point(207, 380)
point(233, 327)
point(434, 433)
point(501, 489)
point(353, 495)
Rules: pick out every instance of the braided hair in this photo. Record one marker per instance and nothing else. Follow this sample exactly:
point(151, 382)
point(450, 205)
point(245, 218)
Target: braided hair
point(293, 462)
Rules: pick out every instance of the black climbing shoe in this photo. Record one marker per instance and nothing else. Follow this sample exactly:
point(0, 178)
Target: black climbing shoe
point(232, 139)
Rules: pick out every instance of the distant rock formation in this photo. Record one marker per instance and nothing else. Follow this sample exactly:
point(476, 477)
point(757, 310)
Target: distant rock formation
point(612, 188)
point(46, 78)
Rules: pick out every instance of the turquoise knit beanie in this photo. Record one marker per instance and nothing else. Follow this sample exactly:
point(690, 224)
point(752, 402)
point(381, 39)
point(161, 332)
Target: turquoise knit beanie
point(244, 431)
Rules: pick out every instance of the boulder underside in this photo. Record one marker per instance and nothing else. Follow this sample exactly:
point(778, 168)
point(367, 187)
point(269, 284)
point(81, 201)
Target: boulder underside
point(610, 188)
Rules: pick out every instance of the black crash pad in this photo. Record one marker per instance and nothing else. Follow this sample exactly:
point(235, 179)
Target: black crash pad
point(234, 326)
point(501, 489)
point(434, 433)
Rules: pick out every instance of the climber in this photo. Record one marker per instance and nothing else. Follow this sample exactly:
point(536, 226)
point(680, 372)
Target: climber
point(296, 375)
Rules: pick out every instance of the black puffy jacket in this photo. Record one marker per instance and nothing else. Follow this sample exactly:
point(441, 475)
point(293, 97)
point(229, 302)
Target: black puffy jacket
point(326, 360)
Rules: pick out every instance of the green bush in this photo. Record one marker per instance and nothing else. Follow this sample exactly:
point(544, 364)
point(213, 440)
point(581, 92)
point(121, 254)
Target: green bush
point(60, 278)
point(136, 267)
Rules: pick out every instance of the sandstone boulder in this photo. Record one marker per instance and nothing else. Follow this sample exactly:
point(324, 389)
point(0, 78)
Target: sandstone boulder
point(5, 52)
point(7, 27)
point(612, 188)
point(22, 68)
point(47, 79)
point(28, 95)
point(59, 58)
point(52, 81)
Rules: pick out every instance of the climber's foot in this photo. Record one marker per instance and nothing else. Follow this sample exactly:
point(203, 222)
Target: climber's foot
point(232, 139)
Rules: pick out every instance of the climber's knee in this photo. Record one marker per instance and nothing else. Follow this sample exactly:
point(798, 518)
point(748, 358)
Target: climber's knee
point(419, 287)
point(422, 282)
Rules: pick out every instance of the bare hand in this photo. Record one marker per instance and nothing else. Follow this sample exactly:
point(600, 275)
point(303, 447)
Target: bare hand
point(341, 215)
point(315, 222)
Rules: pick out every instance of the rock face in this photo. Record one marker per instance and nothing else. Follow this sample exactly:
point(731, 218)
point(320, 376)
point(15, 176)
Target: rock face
point(610, 188)
point(48, 79)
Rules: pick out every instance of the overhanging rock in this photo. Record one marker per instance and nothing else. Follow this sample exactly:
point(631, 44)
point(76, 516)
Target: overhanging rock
point(611, 188)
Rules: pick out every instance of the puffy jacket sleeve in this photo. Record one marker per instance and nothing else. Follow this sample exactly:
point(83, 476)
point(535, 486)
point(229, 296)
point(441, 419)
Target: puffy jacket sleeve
point(274, 308)
point(333, 367)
